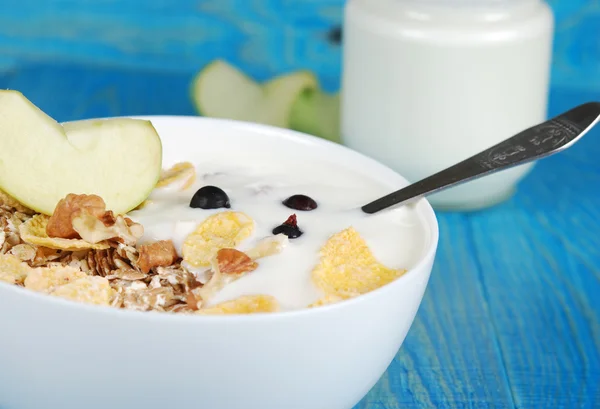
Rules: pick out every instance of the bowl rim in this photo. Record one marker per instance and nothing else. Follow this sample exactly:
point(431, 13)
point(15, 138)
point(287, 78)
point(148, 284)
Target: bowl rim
point(296, 137)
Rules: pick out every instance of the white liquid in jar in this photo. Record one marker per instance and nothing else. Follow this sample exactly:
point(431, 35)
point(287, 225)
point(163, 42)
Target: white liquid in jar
point(257, 187)
point(427, 84)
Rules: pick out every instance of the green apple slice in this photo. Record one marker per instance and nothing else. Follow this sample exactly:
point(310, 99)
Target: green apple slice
point(222, 91)
point(41, 161)
point(317, 113)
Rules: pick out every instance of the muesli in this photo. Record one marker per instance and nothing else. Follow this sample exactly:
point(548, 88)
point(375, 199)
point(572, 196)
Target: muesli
point(84, 253)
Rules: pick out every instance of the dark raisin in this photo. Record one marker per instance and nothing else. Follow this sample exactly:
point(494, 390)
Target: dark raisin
point(300, 202)
point(289, 228)
point(210, 197)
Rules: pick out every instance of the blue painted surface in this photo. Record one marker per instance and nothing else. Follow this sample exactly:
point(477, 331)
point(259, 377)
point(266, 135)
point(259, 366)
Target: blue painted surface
point(262, 37)
point(511, 316)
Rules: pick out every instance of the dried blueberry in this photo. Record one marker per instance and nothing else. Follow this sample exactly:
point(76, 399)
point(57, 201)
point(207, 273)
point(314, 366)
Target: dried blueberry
point(210, 197)
point(289, 228)
point(300, 202)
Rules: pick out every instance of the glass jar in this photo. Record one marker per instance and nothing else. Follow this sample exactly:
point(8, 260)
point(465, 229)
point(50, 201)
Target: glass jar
point(428, 83)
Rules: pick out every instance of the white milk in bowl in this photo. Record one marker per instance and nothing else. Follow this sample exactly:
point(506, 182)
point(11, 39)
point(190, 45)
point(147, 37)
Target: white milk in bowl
point(258, 186)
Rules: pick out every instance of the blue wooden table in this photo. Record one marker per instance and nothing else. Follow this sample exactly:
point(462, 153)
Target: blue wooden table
point(511, 318)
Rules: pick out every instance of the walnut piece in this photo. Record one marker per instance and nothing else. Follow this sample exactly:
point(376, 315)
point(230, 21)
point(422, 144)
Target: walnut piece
point(232, 261)
point(158, 254)
point(33, 232)
point(60, 223)
point(85, 217)
point(227, 266)
point(95, 230)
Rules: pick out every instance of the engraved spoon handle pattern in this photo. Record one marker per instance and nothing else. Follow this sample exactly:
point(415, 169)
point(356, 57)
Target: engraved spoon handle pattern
point(534, 143)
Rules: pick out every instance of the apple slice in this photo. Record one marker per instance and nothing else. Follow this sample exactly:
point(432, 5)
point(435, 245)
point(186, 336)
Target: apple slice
point(317, 113)
point(42, 161)
point(220, 90)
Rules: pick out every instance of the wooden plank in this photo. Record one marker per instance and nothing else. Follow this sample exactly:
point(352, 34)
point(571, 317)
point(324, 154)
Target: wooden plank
point(540, 260)
point(263, 37)
point(69, 92)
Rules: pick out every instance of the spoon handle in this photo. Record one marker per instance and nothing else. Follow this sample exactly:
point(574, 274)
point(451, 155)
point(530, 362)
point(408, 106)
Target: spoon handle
point(533, 143)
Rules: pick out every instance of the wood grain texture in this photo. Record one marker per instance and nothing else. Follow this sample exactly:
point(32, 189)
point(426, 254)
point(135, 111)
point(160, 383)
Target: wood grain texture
point(262, 37)
point(511, 316)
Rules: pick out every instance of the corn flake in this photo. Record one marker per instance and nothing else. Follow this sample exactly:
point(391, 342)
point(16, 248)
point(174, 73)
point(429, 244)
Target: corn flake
point(33, 231)
point(180, 172)
point(89, 290)
point(221, 230)
point(249, 304)
point(47, 279)
point(13, 270)
point(348, 268)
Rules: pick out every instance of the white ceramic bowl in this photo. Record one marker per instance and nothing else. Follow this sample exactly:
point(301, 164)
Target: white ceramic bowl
point(59, 354)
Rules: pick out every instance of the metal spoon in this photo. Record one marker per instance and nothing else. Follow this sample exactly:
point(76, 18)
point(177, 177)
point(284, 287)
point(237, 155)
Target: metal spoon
point(545, 139)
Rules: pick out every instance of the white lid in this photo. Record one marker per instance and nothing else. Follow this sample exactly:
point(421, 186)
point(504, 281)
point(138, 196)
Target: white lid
point(394, 9)
point(471, 3)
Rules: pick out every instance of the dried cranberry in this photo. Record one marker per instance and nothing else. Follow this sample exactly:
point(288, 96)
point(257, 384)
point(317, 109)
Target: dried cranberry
point(289, 228)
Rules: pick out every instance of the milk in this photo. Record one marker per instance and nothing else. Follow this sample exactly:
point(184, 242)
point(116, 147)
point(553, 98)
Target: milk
point(257, 186)
point(429, 83)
